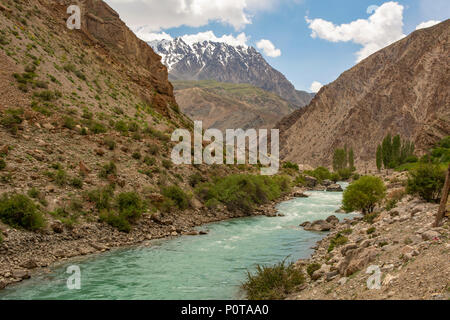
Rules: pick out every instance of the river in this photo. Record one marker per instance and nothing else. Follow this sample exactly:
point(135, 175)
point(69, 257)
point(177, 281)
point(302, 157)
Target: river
point(211, 266)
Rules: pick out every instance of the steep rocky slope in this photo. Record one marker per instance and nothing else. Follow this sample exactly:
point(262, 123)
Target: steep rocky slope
point(85, 116)
point(228, 106)
point(225, 63)
point(402, 89)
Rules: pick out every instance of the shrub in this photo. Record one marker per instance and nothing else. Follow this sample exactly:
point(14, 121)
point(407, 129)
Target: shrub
point(273, 283)
point(290, 165)
point(167, 164)
point(101, 197)
point(2, 164)
point(77, 183)
point(345, 173)
point(61, 177)
point(115, 220)
point(150, 161)
point(153, 149)
point(177, 195)
point(337, 241)
point(426, 181)
point(371, 230)
point(369, 218)
point(320, 173)
point(136, 155)
point(335, 177)
point(69, 123)
point(363, 194)
point(195, 179)
point(130, 205)
point(108, 169)
point(121, 126)
point(110, 143)
point(18, 210)
point(243, 192)
point(313, 267)
point(300, 180)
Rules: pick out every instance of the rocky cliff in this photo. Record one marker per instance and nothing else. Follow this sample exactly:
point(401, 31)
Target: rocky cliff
point(402, 89)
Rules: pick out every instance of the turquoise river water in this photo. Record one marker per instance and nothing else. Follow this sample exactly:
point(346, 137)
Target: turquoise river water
point(212, 266)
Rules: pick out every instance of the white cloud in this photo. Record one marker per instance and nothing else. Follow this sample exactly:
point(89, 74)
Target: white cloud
point(240, 40)
point(268, 48)
point(315, 86)
point(157, 15)
point(427, 24)
point(382, 28)
point(143, 34)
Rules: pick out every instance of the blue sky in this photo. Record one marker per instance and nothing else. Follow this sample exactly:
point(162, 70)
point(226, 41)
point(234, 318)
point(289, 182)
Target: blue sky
point(302, 58)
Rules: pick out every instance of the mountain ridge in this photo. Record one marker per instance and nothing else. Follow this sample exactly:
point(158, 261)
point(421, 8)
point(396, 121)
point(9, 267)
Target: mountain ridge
point(222, 62)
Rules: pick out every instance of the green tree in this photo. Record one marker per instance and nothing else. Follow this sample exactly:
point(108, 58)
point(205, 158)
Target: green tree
point(396, 146)
point(363, 194)
point(379, 157)
point(387, 150)
point(426, 181)
point(339, 159)
point(351, 160)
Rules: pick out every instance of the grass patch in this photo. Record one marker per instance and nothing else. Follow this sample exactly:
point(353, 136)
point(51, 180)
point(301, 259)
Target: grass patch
point(273, 282)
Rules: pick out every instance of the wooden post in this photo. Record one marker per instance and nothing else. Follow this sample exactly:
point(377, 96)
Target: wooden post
point(441, 211)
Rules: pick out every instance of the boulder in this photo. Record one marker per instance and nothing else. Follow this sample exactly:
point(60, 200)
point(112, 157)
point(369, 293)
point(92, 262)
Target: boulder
point(21, 274)
point(311, 182)
point(299, 194)
point(332, 219)
point(319, 225)
point(430, 235)
point(29, 264)
point(334, 188)
point(57, 226)
point(327, 182)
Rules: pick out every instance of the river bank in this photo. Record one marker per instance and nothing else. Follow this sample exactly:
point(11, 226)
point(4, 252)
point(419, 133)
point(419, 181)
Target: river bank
point(24, 254)
point(409, 256)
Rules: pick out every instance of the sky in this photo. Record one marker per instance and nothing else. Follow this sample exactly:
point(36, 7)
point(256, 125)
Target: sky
point(310, 41)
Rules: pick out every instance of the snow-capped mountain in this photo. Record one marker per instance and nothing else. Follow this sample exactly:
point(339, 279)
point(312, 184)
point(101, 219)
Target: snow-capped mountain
point(219, 61)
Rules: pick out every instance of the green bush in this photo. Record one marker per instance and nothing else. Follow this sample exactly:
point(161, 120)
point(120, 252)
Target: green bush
point(273, 283)
point(130, 205)
point(166, 163)
point(369, 218)
point(108, 169)
point(427, 181)
point(313, 267)
point(243, 192)
point(345, 173)
point(2, 164)
point(121, 126)
point(290, 165)
point(363, 194)
point(371, 230)
point(61, 177)
point(195, 179)
point(335, 177)
point(69, 123)
point(136, 155)
point(320, 173)
point(177, 195)
point(110, 143)
point(101, 197)
point(337, 241)
point(76, 183)
point(150, 161)
point(18, 210)
point(116, 220)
